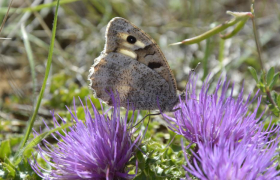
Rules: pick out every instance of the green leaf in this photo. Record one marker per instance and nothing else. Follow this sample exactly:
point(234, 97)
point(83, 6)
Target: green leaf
point(274, 80)
point(10, 171)
point(162, 161)
point(8, 168)
point(141, 176)
point(278, 100)
point(269, 75)
point(5, 149)
point(36, 141)
point(254, 73)
point(26, 171)
point(15, 141)
point(141, 160)
point(262, 78)
point(275, 111)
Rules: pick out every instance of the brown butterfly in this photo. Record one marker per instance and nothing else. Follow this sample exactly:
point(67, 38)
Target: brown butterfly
point(133, 65)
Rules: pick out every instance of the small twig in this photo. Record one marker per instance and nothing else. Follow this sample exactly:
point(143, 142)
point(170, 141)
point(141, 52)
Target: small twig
point(6, 16)
point(268, 94)
point(270, 97)
point(148, 115)
point(238, 17)
point(256, 35)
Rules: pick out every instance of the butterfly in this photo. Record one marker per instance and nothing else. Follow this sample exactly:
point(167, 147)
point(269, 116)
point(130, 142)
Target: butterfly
point(133, 65)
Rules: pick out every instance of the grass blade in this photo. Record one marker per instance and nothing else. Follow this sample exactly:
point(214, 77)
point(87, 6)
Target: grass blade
point(30, 58)
point(32, 120)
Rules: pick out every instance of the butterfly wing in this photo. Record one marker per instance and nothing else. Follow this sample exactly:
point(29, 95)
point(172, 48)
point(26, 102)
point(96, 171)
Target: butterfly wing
point(144, 50)
point(135, 83)
point(133, 65)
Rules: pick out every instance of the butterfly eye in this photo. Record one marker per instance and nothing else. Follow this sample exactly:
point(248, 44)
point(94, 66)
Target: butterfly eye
point(131, 39)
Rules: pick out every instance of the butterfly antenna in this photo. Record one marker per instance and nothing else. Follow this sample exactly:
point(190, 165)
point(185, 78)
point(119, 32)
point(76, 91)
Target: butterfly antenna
point(148, 115)
point(148, 121)
point(174, 110)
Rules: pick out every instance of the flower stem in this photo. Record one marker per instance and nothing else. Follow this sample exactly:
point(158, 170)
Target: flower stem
point(256, 35)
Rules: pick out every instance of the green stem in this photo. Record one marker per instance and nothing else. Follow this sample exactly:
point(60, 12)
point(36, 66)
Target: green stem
point(256, 35)
point(238, 27)
point(270, 98)
point(32, 120)
point(241, 17)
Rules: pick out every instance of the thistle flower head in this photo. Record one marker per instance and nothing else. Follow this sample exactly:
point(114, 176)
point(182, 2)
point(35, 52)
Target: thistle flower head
point(206, 116)
point(231, 144)
point(232, 160)
point(98, 148)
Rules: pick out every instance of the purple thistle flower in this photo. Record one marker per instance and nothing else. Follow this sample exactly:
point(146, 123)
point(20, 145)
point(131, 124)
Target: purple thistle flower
point(98, 148)
point(232, 160)
point(205, 117)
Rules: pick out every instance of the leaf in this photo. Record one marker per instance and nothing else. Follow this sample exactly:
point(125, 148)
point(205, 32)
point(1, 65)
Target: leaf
point(262, 78)
point(15, 141)
point(278, 100)
point(261, 86)
point(269, 75)
point(141, 160)
point(274, 80)
point(275, 111)
point(141, 176)
point(26, 172)
point(5, 149)
point(254, 73)
point(11, 171)
point(36, 141)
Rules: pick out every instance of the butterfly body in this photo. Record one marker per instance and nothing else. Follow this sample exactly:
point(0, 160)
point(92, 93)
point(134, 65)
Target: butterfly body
point(133, 65)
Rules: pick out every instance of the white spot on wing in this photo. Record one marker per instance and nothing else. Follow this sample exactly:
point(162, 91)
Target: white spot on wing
point(128, 53)
point(140, 44)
